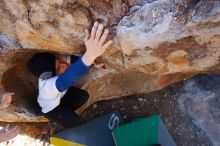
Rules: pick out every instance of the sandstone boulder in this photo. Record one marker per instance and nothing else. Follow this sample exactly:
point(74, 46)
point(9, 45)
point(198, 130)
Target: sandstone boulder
point(156, 43)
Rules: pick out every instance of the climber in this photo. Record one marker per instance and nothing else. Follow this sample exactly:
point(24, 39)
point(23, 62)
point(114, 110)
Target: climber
point(7, 133)
point(56, 96)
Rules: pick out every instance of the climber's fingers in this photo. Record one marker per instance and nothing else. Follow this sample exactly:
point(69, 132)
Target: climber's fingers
point(99, 65)
point(107, 44)
point(6, 99)
point(9, 94)
point(86, 35)
point(104, 36)
point(94, 29)
point(99, 32)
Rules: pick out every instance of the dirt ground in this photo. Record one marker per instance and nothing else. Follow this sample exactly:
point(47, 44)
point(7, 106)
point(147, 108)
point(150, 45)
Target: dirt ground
point(163, 102)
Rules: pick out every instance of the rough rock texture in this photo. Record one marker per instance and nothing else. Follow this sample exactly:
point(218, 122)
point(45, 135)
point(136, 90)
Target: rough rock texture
point(156, 43)
point(200, 99)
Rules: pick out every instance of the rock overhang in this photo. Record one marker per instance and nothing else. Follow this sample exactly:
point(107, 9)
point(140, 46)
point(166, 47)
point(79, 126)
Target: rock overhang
point(156, 43)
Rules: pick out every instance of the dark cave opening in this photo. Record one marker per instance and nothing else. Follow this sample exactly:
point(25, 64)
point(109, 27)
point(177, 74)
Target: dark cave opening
point(17, 79)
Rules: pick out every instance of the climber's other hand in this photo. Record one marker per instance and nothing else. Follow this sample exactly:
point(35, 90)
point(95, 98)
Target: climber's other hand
point(99, 65)
point(6, 100)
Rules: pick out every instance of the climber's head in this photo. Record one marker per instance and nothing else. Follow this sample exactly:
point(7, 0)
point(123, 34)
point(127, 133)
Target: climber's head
point(62, 63)
point(46, 62)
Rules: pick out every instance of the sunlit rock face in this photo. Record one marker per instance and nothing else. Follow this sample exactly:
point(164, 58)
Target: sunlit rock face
point(156, 43)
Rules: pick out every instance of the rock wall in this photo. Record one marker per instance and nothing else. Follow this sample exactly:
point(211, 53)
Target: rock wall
point(156, 43)
point(200, 99)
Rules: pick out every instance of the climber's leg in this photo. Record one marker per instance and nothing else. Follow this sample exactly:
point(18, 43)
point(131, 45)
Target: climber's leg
point(64, 116)
point(74, 98)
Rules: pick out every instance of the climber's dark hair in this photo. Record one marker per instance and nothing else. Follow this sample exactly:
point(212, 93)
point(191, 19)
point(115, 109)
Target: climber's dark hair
point(40, 63)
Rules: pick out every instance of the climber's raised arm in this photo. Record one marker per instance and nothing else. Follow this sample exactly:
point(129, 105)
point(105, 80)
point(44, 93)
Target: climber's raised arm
point(95, 47)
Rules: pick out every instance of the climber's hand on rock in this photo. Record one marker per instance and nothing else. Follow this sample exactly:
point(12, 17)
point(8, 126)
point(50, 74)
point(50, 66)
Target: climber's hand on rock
point(8, 133)
point(95, 43)
point(6, 100)
point(99, 65)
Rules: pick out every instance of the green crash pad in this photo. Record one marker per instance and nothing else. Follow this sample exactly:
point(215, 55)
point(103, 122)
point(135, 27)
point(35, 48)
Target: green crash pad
point(143, 132)
point(94, 133)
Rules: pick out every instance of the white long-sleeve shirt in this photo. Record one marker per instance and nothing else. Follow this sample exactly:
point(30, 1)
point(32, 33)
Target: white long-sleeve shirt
point(48, 97)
